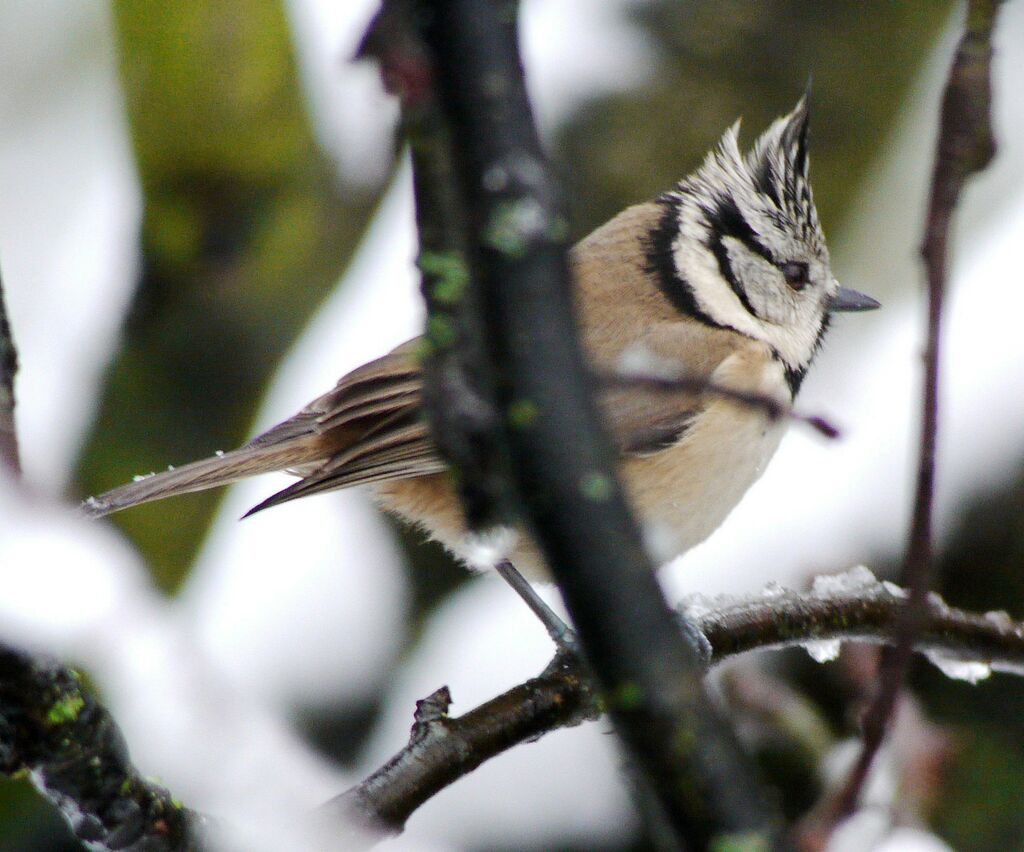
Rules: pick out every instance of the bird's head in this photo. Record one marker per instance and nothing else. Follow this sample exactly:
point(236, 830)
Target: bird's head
point(740, 245)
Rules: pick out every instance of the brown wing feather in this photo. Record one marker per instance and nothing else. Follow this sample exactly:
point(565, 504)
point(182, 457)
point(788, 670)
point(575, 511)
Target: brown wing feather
point(398, 447)
point(645, 420)
point(367, 428)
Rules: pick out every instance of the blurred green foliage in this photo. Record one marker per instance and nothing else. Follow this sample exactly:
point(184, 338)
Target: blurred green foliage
point(245, 232)
point(719, 61)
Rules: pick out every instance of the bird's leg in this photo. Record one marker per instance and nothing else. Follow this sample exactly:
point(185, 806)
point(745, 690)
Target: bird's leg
point(561, 634)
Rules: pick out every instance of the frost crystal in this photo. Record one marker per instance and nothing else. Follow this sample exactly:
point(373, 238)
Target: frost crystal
point(971, 671)
point(830, 585)
point(894, 590)
point(823, 650)
point(696, 606)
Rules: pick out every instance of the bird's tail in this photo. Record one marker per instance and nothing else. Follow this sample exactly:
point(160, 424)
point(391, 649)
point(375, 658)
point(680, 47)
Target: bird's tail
point(217, 470)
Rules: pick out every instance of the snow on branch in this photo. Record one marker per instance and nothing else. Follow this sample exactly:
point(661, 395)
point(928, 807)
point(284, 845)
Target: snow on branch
point(849, 607)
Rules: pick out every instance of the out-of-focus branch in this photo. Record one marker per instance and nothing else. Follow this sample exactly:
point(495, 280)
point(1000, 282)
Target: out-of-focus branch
point(965, 146)
point(562, 466)
point(774, 408)
point(854, 607)
point(73, 752)
point(8, 368)
point(66, 743)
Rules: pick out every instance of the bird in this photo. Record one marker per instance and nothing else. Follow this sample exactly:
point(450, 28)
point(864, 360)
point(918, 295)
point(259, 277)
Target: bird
point(725, 279)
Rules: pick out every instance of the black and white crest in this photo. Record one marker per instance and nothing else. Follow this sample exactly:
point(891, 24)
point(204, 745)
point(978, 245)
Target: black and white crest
point(740, 245)
point(779, 166)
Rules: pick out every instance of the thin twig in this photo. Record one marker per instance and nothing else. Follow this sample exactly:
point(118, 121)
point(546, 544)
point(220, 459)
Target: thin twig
point(860, 609)
point(965, 146)
point(774, 408)
point(8, 369)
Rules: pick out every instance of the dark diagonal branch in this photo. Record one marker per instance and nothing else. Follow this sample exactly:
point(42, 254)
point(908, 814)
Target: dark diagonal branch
point(965, 146)
point(73, 752)
point(853, 607)
point(8, 368)
point(562, 466)
point(456, 376)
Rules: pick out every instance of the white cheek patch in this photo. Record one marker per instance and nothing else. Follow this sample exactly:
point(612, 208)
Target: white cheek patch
point(762, 282)
point(785, 321)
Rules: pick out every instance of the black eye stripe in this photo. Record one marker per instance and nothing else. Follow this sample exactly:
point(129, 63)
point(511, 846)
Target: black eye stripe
point(659, 249)
point(726, 220)
point(721, 254)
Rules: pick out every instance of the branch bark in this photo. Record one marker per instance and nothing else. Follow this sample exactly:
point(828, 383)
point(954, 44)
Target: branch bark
point(73, 752)
point(965, 146)
point(441, 749)
point(457, 379)
point(856, 608)
point(561, 463)
point(8, 369)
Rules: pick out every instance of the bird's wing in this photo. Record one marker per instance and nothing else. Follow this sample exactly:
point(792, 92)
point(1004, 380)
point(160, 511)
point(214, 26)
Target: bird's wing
point(370, 428)
point(644, 418)
point(645, 413)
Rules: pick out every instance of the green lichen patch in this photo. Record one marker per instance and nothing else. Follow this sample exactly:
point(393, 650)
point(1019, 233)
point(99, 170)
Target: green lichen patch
point(65, 709)
point(596, 487)
point(441, 332)
point(513, 225)
point(522, 413)
point(450, 274)
point(627, 696)
point(748, 841)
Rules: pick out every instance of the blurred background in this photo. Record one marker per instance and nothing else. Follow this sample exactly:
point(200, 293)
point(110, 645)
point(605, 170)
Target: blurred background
point(204, 222)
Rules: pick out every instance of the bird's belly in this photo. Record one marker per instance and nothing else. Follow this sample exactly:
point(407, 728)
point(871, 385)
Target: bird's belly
point(682, 494)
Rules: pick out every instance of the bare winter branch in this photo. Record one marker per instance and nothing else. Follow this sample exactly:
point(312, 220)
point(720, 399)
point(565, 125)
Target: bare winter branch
point(774, 408)
point(457, 379)
point(562, 465)
point(965, 146)
point(442, 749)
point(852, 607)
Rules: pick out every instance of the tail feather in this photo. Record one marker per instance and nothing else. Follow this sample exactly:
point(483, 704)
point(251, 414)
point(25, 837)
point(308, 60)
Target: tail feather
point(200, 475)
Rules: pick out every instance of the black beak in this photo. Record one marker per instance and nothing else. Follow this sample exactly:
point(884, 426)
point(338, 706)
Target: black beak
point(850, 301)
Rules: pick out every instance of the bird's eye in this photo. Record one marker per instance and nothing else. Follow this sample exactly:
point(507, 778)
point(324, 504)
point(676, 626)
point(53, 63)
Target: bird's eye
point(796, 274)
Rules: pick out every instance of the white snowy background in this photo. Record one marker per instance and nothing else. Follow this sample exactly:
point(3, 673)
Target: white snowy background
point(203, 684)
